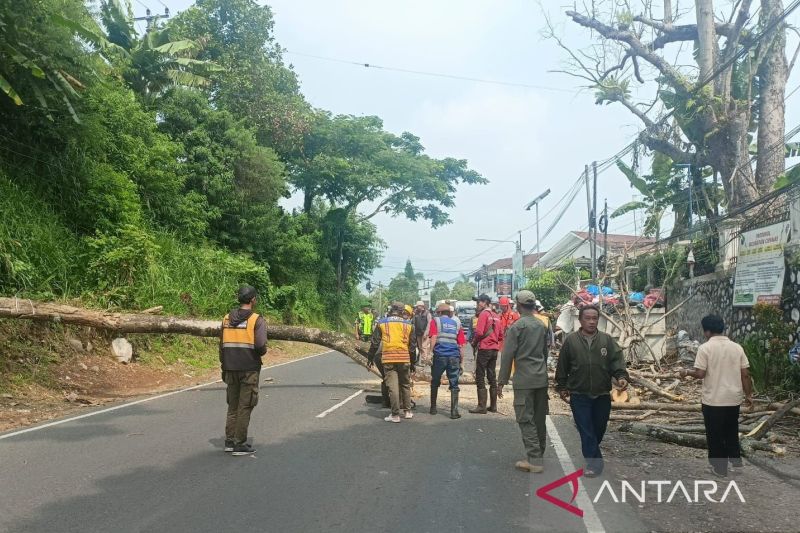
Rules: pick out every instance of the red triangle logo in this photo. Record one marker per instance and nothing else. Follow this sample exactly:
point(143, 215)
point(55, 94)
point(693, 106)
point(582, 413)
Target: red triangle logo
point(544, 492)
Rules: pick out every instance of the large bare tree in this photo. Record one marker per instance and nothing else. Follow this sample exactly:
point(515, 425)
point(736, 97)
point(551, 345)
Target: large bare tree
point(720, 79)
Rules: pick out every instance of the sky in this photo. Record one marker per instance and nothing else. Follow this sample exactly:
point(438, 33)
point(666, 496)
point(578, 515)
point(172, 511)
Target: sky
point(524, 140)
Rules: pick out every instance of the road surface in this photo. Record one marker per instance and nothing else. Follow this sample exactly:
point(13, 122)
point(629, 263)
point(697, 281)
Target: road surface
point(158, 466)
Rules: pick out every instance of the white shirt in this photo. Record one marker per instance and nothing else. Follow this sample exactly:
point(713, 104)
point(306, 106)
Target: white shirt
point(723, 361)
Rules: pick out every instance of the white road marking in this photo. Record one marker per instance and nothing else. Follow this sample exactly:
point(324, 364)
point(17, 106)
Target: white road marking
point(143, 400)
point(590, 518)
point(328, 411)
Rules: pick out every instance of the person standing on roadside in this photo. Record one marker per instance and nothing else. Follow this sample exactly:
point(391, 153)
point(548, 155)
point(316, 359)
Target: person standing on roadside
point(396, 335)
point(723, 367)
point(364, 324)
point(421, 320)
point(243, 341)
point(588, 361)
point(486, 342)
point(525, 345)
point(448, 340)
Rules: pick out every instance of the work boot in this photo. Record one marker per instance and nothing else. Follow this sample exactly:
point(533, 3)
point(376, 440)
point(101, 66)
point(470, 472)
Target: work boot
point(526, 466)
point(481, 409)
point(454, 405)
point(492, 399)
point(243, 449)
point(434, 394)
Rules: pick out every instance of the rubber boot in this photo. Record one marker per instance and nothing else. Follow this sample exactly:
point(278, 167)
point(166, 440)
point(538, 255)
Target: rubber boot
point(454, 405)
point(493, 399)
point(481, 409)
point(434, 394)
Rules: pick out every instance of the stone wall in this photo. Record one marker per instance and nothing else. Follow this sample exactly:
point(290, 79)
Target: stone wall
point(713, 294)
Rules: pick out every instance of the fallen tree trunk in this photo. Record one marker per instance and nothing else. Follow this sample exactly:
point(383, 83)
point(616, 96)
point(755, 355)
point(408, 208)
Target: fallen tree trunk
point(646, 406)
point(691, 440)
point(128, 323)
point(767, 424)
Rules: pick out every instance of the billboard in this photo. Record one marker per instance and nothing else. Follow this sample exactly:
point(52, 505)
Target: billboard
point(760, 266)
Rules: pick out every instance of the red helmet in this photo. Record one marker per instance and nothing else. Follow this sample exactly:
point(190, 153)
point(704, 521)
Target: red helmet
point(504, 300)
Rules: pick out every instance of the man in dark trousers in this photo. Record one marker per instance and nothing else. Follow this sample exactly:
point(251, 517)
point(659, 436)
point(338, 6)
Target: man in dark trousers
point(588, 360)
point(242, 343)
point(526, 346)
point(486, 341)
point(396, 336)
point(448, 340)
point(723, 367)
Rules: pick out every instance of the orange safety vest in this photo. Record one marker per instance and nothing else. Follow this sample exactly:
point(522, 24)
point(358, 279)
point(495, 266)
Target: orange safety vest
point(396, 337)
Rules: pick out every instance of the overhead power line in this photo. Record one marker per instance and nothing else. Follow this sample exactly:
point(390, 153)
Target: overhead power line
point(433, 74)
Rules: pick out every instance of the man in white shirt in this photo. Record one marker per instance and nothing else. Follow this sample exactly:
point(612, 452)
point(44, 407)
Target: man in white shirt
point(723, 367)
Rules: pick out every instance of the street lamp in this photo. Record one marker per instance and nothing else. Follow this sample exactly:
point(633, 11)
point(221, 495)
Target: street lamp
point(535, 202)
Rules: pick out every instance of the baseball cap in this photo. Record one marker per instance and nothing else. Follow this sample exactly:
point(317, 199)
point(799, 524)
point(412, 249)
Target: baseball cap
point(526, 298)
point(246, 293)
point(504, 300)
point(443, 307)
point(419, 303)
point(397, 307)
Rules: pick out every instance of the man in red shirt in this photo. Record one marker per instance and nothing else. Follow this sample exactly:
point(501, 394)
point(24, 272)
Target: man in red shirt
point(486, 341)
point(507, 316)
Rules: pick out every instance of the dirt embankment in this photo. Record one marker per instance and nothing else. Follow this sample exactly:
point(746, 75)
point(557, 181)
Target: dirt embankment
point(48, 371)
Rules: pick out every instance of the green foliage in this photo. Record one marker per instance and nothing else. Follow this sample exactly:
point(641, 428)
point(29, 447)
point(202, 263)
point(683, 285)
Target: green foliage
point(404, 287)
point(440, 291)
point(553, 287)
point(767, 351)
point(463, 290)
point(37, 253)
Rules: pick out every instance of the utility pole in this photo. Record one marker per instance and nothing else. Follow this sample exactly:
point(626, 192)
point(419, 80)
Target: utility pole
point(691, 187)
point(605, 237)
point(593, 223)
point(153, 19)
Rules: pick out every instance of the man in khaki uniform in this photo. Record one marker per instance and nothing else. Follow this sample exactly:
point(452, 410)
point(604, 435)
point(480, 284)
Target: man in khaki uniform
point(242, 343)
point(526, 347)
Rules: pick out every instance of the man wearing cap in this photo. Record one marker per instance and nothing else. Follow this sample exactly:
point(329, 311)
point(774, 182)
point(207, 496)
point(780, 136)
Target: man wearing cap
point(448, 340)
point(526, 347)
point(421, 319)
point(242, 343)
point(486, 339)
point(399, 357)
point(507, 315)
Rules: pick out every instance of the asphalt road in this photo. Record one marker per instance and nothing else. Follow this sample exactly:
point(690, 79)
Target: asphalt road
point(159, 466)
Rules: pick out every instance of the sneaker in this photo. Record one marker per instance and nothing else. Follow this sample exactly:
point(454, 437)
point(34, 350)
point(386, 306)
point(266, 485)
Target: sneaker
point(244, 449)
point(588, 472)
point(228, 445)
point(525, 466)
point(393, 418)
point(714, 472)
point(409, 415)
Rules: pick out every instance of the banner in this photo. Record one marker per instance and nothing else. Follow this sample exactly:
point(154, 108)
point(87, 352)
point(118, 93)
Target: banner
point(760, 266)
point(503, 282)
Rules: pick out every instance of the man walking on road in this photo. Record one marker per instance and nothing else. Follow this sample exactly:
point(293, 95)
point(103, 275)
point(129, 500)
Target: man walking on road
point(486, 342)
point(525, 345)
point(448, 340)
point(588, 360)
point(723, 367)
point(364, 324)
point(242, 343)
point(398, 357)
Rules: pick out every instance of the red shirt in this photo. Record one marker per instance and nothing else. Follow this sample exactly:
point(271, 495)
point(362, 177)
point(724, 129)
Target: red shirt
point(508, 318)
point(461, 339)
point(489, 330)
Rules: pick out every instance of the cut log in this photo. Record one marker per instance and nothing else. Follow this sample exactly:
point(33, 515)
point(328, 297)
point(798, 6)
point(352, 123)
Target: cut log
point(774, 406)
point(646, 406)
point(632, 418)
point(655, 389)
point(693, 441)
point(767, 424)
